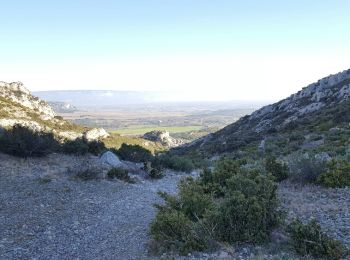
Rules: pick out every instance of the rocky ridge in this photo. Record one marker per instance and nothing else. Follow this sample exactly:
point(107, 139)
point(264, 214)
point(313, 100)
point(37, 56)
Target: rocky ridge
point(19, 107)
point(316, 100)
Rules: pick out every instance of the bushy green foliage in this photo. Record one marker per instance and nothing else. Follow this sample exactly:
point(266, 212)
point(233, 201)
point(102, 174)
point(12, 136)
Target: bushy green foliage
point(23, 142)
point(249, 210)
point(155, 172)
point(78, 146)
point(278, 170)
point(134, 153)
point(228, 204)
point(174, 162)
point(120, 174)
point(178, 222)
point(96, 147)
point(305, 168)
point(310, 240)
point(337, 175)
point(216, 181)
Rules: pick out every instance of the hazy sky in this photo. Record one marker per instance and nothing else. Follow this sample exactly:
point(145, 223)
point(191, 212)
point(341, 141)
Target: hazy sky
point(210, 49)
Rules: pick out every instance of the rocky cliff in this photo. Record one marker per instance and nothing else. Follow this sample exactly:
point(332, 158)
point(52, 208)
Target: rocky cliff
point(19, 106)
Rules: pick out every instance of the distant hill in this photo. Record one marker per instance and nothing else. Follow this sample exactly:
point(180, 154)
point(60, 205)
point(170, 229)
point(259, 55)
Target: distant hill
point(110, 98)
point(62, 107)
point(315, 118)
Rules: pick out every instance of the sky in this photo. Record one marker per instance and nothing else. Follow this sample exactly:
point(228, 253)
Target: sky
point(205, 49)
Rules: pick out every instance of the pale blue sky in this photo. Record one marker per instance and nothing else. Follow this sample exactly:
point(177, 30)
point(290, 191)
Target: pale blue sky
point(83, 44)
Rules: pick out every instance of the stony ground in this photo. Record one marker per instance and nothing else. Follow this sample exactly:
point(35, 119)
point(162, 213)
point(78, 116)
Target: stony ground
point(45, 213)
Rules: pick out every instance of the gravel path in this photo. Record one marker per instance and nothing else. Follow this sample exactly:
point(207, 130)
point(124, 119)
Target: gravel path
point(46, 214)
point(74, 219)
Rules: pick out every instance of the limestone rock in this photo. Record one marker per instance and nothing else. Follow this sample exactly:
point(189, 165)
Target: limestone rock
point(162, 137)
point(95, 134)
point(111, 159)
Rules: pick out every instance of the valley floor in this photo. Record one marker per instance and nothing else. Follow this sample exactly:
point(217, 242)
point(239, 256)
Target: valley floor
point(46, 214)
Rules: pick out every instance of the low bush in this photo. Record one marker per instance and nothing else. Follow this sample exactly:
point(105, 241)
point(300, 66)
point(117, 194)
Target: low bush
point(120, 174)
point(134, 153)
point(249, 210)
point(23, 142)
point(336, 176)
point(154, 172)
point(174, 162)
point(88, 174)
point(305, 168)
point(227, 204)
point(278, 170)
point(96, 147)
point(310, 240)
point(177, 226)
point(78, 147)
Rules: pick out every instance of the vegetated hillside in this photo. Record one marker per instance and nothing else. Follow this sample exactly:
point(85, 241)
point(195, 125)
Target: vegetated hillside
point(19, 107)
point(317, 117)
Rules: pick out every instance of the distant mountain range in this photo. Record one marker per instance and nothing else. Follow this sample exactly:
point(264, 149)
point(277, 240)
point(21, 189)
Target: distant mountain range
point(110, 98)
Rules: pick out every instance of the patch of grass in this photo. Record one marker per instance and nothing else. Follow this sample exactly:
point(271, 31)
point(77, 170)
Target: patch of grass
point(142, 129)
point(120, 174)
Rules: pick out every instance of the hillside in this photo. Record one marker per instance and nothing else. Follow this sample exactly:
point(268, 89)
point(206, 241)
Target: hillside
point(317, 117)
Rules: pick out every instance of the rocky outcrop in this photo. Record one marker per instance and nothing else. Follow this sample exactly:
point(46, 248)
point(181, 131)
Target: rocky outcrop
point(163, 137)
point(95, 134)
point(19, 107)
point(17, 93)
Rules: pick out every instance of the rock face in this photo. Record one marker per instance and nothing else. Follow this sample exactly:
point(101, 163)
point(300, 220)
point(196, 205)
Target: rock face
point(163, 137)
point(19, 107)
point(17, 93)
point(309, 103)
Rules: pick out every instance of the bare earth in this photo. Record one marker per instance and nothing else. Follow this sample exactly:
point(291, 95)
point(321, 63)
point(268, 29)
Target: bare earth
point(47, 214)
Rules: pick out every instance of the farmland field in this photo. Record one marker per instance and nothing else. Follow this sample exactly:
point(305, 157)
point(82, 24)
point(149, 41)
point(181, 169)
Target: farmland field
point(142, 129)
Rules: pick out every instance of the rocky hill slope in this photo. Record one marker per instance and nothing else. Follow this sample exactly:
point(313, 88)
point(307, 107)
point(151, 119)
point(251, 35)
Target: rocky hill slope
point(19, 107)
point(319, 109)
point(62, 107)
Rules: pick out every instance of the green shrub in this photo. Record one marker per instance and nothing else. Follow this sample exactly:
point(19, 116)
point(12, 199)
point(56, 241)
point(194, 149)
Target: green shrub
point(134, 153)
point(337, 175)
point(119, 173)
point(246, 211)
point(155, 172)
point(88, 174)
point(310, 240)
point(174, 162)
point(278, 170)
point(249, 210)
point(305, 168)
point(78, 146)
point(23, 142)
point(96, 147)
point(178, 224)
point(173, 231)
point(216, 181)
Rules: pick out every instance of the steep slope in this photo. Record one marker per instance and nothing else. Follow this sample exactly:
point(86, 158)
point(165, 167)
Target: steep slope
point(313, 114)
point(19, 106)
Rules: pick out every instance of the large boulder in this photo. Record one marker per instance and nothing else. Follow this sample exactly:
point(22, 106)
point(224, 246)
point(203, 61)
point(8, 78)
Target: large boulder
point(95, 134)
point(111, 159)
point(162, 137)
